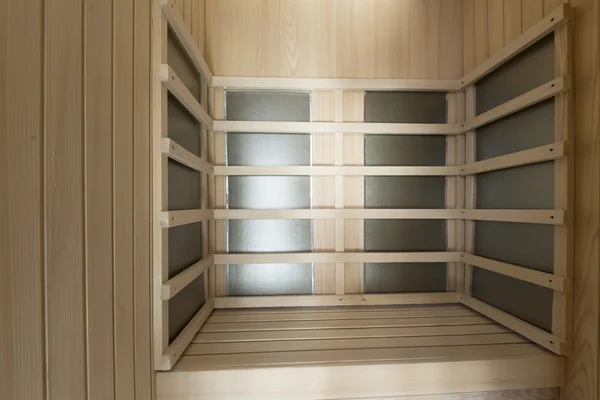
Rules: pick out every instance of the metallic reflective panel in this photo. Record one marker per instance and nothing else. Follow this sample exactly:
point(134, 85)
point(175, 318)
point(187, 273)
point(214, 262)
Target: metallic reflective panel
point(259, 236)
point(529, 128)
point(268, 149)
point(269, 279)
point(405, 277)
point(405, 107)
point(526, 187)
point(524, 300)
point(405, 192)
point(269, 192)
point(405, 150)
point(185, 187)
point(528, 70)
point(185, 247)
point(527, 245)
point(184, 306)
point(183, 128)
point(267, 105)
point(405, 235)
point(179, 61)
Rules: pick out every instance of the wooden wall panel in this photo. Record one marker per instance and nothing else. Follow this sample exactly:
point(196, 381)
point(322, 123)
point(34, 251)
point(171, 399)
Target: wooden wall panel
point(99, 229)
point(75, 278)
point(335, 38)
point(583, 374)
point(22, 334)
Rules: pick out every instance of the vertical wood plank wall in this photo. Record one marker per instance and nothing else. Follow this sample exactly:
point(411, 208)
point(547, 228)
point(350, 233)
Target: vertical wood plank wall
point(335, 38)
point(75, 198)
point(492, 23)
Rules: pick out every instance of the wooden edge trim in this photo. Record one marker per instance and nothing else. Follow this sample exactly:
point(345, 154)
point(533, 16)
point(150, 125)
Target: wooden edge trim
point(528, 99)
point(174, 85)
point(521, 327)
point(531, 156)
point(186, 39)
point(176, 349)
point(335, 127)
point(278, 258)
point(239, 82)
point(529, 37)
point(176, 284)
point(544, 279)
point(331, 170)
point(548, 217)
point(169, 219)
point(335, 213)
point(333, 300)
point(176, 152)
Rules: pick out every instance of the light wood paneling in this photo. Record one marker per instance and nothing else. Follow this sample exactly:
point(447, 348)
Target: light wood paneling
point(194, 16)
point(22, 358)
point(335, 38)
point(75, 190)
point(582, 367)
point(99, 229)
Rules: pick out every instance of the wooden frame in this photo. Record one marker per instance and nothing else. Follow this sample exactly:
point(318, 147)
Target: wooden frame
point(327, 170)
point(181, 30)
point(531, 156)
point(165, 80)
point(249, 83)
point(176, 152)
point(333, 257)
point(176, 87)
point(336, 127)
point(560, 281)
point(335, 300)
point(548, 24)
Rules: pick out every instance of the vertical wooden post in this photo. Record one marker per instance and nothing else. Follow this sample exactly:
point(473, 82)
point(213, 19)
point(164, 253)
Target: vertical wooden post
point(160, 187)
point(455, 190)
point(209, 289)
point(470, 184)
point(562, 314)
point(354, 190)
point(323, 191)
point(340, 280)
point(219, 235)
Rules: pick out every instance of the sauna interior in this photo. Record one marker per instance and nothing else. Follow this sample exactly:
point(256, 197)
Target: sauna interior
point(300, 199)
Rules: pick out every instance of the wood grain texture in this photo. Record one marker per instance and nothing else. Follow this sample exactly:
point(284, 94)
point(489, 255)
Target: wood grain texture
point(64, 200)
point(144, 375)
point(323, 190)
point(69, 316)
point(335, 38)
point(22, 356)
point(99, 206)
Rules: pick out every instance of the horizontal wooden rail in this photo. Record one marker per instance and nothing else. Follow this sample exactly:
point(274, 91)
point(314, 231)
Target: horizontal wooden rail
point(280, 258)
point(531, 332)
point(175, 151)
point(169, 219)
point(333, 300)
point(539, 154)
point(176, 87)
point(429, 85)
point(327, 170)
point(180, 29)
point(528, 99)
point(529, 37)
point(176, 284)
point(339, 213)
point(515, 271)
point(335, 127)
point(175, 350)
point(548, 217)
